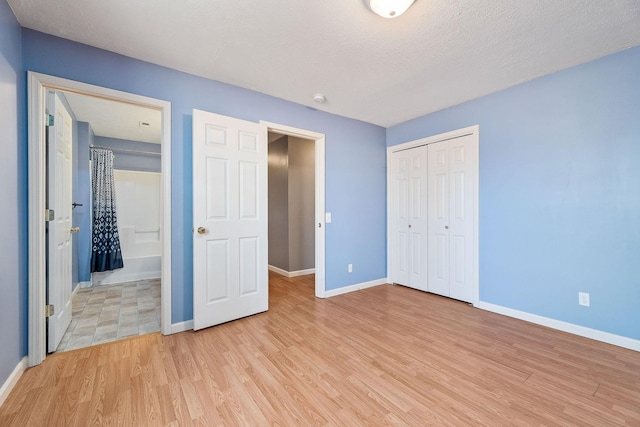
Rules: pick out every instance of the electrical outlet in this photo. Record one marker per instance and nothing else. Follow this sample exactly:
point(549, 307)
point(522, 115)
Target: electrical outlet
point(350, 268)
point(583, 299)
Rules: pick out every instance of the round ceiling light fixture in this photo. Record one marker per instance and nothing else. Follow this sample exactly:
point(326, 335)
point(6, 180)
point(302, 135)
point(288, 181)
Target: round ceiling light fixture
point(390, 8)
point(319, 98)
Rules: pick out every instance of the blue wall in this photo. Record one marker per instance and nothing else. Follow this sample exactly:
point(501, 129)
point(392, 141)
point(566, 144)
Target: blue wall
point(132, 161)
point(75, 238)
point(75, 217)
point(82, 214)
point(13, 193)
point(354, 194)
point(559, 192)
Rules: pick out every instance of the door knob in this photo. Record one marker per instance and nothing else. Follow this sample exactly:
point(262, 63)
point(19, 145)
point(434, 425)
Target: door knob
point(446, 227)
point(75, 229)
point(202, 230)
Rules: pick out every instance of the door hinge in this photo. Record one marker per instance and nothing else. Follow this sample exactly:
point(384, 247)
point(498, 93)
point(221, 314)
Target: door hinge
point(48, 119)
point(48, 310)
point(49, 215)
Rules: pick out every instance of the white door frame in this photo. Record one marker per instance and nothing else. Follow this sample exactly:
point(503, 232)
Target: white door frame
point(474, 131)
point(38, 84)
point(319, 139)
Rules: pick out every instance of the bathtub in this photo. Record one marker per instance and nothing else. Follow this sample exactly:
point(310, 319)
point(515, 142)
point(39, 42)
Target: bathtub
point(139, 268)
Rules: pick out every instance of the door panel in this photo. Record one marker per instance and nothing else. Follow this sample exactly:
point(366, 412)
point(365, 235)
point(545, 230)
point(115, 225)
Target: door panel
point(229, 218)
point(248, 262)
point(59, 280)
point(217, 182)
point(401, 262)
point(418, 220)
point(400, 220)
point(217, 270)
point(438, 202)
point(248, 190)
point(462, 171)
point(451, 198)
point(409, 218)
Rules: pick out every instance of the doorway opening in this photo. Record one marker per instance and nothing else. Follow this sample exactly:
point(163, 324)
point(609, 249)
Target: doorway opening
point(158, 187)
point(297, 203)
point(110, 303)
point(291, 165)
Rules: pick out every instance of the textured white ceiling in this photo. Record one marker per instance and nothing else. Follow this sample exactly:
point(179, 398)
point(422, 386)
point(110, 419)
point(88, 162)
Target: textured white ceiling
point(383, 71)
point(115, 119)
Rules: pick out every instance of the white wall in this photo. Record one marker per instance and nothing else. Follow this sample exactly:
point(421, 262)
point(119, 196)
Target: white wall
point(138, 204)
point(139, 217)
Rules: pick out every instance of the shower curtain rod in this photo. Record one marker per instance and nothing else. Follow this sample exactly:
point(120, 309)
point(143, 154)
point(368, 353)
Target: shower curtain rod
point(126, 150)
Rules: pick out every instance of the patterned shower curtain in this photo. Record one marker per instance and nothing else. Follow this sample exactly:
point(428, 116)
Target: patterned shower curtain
point(105, 253)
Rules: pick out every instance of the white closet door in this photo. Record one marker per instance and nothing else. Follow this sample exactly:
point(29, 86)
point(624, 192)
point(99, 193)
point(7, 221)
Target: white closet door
point(451, 234)
point(409, 217)
point(461, 187)
point(438, 202)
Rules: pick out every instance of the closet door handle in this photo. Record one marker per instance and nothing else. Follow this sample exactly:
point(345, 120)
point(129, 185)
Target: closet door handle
point(202, 230)
point(446, 227)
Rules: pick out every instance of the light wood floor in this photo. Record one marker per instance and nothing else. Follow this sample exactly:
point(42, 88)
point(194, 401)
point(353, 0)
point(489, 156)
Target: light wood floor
point(387, 355)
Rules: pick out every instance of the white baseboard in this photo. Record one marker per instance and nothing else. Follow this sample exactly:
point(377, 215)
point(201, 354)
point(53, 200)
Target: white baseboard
point(292, 273)
point(302, 272)
point(12, 380)
point(356, 287)
point(75, 291)
point(86, 284)
point(279, 270)
point(571, 328)
point(187, 325)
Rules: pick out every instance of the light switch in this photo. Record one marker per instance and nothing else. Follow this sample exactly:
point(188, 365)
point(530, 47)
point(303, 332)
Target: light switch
point(327, 217)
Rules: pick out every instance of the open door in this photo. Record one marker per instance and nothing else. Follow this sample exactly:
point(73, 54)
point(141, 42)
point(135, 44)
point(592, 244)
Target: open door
point(230, 276)
point(60, 143)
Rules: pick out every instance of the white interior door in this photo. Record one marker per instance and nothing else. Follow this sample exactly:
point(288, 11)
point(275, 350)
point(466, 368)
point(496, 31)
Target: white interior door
point(451, 234)
point(229, 218)
point(60, 143)
point(409, 217)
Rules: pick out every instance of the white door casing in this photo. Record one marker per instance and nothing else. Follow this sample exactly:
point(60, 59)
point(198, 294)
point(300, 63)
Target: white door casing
point(229, 218)
point(319, 142)
point(38, 86)
point(451, 226)
point(409, 217)
point(59, 169)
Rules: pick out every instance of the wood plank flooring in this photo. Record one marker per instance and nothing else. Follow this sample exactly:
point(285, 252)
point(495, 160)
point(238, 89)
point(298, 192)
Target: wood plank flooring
point(387, 355)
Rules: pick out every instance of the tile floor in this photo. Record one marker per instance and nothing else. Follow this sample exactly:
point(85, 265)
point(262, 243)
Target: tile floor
point(107, 313)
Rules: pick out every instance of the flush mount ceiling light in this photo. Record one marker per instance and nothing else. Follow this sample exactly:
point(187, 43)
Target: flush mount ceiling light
point(319, 98)
point(390, 8)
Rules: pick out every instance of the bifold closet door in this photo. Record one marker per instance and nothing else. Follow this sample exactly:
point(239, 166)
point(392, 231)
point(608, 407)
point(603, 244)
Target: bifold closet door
point(451, 175)
point(409, 217)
